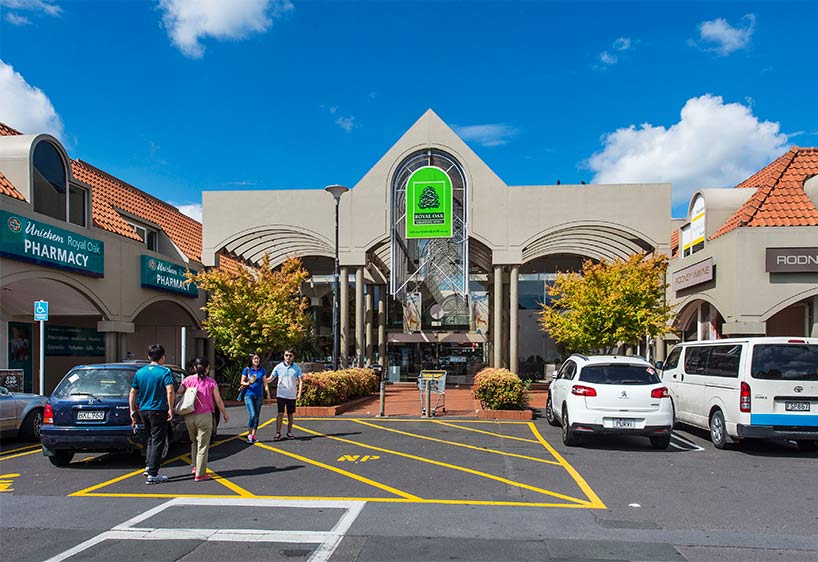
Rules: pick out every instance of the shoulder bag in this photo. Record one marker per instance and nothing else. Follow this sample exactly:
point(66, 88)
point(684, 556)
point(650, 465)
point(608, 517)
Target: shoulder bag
point(186, 405)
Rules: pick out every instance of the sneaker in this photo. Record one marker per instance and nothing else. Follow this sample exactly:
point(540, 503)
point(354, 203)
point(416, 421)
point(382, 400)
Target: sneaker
point(158, 479)
point(147, 472)
point(249, 439)
point(193, 470)
point(202, 478)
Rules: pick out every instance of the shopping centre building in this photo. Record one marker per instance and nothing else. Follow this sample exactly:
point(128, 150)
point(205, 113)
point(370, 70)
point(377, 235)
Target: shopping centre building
point(443, 265)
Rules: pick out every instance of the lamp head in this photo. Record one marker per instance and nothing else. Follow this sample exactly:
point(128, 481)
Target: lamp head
point(336, 190)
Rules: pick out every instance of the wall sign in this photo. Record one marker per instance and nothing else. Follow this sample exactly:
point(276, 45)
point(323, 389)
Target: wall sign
point(693, 275)
point(26, 239)
point(166, 276)
point(792, 260)
point(67, 341)
point(429, 204)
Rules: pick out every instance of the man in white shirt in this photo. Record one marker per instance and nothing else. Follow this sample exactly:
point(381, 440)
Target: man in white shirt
point(288, 391)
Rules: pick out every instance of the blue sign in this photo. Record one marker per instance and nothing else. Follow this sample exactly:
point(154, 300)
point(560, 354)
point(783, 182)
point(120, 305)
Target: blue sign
point(40, 311)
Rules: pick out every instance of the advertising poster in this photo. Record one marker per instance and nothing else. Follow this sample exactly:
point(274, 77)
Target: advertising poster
point(429, 204)
point(20, 350)
point(412, 308)
point(479, 312)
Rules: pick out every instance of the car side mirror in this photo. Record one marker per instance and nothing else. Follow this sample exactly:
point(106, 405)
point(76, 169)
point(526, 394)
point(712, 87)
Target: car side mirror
point(660, 365)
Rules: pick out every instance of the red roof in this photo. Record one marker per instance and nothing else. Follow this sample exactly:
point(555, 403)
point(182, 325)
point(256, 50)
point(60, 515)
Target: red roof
point(7, 189)
point(780, 199)
point(5, 130)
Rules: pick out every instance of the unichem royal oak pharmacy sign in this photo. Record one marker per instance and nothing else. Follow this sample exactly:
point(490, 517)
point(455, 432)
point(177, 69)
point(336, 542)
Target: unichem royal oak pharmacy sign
point(166, 276)
point(429, 204)
point(29, 240)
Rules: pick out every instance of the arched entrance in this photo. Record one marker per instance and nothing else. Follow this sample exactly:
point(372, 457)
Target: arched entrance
point(170, 324)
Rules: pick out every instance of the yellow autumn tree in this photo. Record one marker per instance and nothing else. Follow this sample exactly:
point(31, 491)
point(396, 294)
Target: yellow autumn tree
point(255, 309)
point(609, 303)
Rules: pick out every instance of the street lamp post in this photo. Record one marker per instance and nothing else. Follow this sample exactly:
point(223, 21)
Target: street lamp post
point(336, 191)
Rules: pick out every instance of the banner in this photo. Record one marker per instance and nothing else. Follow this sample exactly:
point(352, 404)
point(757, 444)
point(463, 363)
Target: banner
point(28, 240)
point(166, 276)
point(66, 341)
point(429, 204)
point(412, 308)
point(479, 316)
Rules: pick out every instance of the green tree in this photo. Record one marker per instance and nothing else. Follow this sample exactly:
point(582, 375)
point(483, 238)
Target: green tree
point(429, 198)
point(608, 304)
point(255, 309)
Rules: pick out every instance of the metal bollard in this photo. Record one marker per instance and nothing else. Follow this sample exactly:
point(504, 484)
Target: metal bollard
point(428, 412)
point(383, 398)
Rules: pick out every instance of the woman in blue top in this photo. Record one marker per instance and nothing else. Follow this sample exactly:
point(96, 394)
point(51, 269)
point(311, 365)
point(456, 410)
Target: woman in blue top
point(254, 380)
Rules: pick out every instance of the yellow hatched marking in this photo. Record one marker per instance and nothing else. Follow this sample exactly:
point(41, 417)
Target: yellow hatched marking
point(7, 457)
point(224, 481)
point(456, 444)
point(447, 465)
point(341, 471)
point(9, 451)
point(456, 426)
point(6, 481)
point(595, 502)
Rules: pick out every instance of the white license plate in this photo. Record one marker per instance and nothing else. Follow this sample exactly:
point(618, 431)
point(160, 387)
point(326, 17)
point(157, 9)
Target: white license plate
point(626, 423)
point(90, 415)
point(796, 406)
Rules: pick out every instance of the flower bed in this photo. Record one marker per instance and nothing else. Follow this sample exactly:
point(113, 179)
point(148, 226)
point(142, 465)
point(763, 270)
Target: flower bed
point(330, 388)
point(500, 389)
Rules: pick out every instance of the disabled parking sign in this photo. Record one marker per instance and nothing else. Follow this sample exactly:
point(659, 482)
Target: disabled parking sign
point(40, 311)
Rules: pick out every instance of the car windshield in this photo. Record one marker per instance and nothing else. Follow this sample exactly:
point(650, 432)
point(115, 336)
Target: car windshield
point(785, 361)
point(96, 383)
point(619, 373)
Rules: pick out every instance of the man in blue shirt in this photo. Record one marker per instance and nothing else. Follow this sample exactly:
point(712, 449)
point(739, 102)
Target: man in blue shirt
point(288, 391)
point(153, 385)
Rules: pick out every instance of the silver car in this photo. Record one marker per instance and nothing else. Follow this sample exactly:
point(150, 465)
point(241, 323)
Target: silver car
point(21, 414)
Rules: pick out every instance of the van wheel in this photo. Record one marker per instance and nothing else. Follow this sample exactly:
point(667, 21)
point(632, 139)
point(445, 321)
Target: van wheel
point(807, 445)
point(660, 442)
point(550, 416)
point(718, 430)
point(569, 438)
point(61, 458)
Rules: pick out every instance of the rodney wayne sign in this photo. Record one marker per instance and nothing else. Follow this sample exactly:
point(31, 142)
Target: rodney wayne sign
point(29, 240)
point(792, 260)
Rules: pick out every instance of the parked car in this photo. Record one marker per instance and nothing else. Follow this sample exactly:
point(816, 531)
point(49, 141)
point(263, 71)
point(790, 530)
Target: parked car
point(607, 394)
point(741, 388)
point(21, 414)
point(88, 412)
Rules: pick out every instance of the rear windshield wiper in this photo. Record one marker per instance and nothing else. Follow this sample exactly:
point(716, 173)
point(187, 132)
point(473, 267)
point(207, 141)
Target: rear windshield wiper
point(86, 394)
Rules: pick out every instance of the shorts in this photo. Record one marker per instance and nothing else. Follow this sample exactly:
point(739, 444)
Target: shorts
point(287, 404)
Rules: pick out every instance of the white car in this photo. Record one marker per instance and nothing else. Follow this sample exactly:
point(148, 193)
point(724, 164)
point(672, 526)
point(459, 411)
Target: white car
point(608, 394)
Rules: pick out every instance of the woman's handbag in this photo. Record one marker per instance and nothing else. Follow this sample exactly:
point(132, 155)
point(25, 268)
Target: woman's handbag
point(188, 401)
point(242, 392)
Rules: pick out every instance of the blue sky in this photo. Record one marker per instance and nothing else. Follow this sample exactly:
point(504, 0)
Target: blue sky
point(181, 96)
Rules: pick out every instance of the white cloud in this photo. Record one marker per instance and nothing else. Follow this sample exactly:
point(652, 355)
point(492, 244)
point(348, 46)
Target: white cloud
point(25, 107)
point(45, 6)
point(193, 210)
point(621, 44)
point(346, 123)
point(608, 58)
point(720, 37)
point(713, 145)
point(14, 19)
point(188, 21)
point(491, 134)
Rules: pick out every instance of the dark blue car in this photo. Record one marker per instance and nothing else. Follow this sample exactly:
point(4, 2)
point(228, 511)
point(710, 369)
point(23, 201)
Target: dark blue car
point(88, 412)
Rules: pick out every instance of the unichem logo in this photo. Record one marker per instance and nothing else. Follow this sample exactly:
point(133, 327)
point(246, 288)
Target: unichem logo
point(15, 225)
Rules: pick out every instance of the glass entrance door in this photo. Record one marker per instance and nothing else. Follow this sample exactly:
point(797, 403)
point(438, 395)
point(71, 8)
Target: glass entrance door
point(461, 361)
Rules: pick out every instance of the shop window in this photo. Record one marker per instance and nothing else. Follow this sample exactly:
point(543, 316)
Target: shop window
point(149, 236)
point(50, 181)
point(77, 205)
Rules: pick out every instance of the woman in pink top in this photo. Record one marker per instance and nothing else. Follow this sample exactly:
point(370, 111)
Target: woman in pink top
point(200, 422)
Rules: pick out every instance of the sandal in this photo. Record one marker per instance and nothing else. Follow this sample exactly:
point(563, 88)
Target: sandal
point(290, 435)
point(277, 437)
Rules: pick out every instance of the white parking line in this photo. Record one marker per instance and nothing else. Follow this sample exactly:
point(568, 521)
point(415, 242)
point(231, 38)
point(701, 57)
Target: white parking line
point(686, 442)
point(327, 541)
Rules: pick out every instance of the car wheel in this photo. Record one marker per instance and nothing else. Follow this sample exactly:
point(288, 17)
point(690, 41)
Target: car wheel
point(61, 458)
point(660, 442)
point(550, 416)
point(30, 430)
point(807, 445)
point(569, 438)
point(718, 430)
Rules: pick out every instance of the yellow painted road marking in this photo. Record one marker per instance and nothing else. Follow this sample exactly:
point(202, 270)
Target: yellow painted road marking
point(449, 424)
point(362, 479)
point(6, 480)
point(224, 481)
point(357, 458)
point(8, 451)
point(595, 502)
point(7, 457)
point(447, 465)
point(456, 444)
point(408, 420)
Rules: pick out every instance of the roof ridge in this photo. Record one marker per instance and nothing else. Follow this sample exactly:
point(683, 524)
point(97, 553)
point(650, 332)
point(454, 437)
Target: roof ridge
point(765, 191)
point(11, 130)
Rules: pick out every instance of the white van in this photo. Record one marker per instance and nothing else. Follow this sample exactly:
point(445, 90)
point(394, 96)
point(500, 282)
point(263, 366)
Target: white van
point(741, 388)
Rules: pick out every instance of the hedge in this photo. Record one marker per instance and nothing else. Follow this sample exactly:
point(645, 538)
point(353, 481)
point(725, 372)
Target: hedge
point(500, 389)
point(330, 388)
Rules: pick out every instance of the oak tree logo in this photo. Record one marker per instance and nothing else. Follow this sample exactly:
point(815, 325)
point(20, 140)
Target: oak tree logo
point(429, 198)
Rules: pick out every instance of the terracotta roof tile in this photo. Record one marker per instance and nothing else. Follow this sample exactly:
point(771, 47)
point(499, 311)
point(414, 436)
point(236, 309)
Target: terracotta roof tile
point(6, 131)
point(7, 189)
point(674, 243)
point(780, 199)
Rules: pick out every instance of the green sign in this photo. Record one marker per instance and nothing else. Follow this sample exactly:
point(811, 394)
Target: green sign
point(26, 239)
point(166, 276)
point(73, 342)
point(429, 204)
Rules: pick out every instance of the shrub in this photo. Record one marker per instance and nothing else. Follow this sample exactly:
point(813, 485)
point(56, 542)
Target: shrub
point(500, 389)
point(329, 388)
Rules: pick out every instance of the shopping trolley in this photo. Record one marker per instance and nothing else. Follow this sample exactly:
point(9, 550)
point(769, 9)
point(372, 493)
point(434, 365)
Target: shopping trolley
point(429, 383)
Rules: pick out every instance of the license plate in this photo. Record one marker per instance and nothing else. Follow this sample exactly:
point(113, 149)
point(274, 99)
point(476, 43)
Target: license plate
point(90, 415)
point(624, 423)
point(796, 406)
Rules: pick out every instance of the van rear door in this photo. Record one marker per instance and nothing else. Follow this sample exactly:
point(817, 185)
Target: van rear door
point(784, 384)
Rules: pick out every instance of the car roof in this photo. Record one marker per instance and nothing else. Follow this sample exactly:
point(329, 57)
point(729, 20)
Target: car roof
point(583, 360)
point(136, 364)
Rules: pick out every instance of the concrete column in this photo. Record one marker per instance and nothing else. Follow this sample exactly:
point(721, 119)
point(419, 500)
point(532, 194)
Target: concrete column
point(382, 325)
point(814, 330)
point(122, 346)
point(359, 316)
point(513, 321)
point(210, 353)
point(110, 347)
point(368, 324)
point(343, 353)
point(497, 316)
point(661, 349)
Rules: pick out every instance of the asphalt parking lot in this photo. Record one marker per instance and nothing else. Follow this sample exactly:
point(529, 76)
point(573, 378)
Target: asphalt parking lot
point(408, 489)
